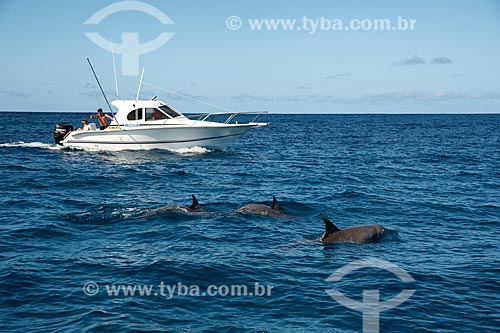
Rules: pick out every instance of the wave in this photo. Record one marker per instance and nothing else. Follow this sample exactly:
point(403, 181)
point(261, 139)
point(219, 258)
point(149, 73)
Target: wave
point(181, 151)
point(22, 144)
point(191, 151)
point(41, 145)
point(103, 214)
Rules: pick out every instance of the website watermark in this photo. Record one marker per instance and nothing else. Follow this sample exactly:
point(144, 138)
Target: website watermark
point(371, 306)
point(320, 24)
point(169, 291)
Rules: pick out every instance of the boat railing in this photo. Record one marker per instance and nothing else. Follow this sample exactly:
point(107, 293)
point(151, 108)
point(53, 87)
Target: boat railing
point(232, 115)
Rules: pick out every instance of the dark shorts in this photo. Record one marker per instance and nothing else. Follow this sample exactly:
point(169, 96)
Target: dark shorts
point(103, 127)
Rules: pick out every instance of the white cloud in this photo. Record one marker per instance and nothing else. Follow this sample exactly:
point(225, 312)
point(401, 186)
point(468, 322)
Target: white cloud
point(440, 61)
point(415, 60)
point(14, 93)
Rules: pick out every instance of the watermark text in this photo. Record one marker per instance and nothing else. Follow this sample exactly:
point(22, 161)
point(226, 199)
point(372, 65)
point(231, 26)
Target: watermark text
point(169, 291)
point(313, 25)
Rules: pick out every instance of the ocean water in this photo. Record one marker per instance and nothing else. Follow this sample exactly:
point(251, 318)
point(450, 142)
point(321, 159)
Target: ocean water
point(76, 224)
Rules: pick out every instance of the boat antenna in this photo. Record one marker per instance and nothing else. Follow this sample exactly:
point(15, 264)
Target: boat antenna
point(114, 69)
point(140, 84)
point(99, 83)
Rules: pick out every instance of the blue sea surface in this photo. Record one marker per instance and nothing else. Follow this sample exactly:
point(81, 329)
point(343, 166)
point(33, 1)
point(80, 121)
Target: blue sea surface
point(75, 224)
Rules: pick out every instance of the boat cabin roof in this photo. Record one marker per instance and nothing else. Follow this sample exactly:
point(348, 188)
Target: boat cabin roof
point(132, 111)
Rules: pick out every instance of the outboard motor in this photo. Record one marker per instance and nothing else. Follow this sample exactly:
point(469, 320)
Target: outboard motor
point(60, 132)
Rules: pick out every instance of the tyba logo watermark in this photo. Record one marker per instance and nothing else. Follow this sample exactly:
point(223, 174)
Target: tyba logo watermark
point(130, 49)
point(371, 306)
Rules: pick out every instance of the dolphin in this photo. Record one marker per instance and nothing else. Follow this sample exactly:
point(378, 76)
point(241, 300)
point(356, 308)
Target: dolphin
point(359, 235)
point(257, 209)
point(194, 208)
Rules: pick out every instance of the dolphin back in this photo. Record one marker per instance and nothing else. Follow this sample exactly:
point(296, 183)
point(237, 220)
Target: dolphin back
point(359, 235)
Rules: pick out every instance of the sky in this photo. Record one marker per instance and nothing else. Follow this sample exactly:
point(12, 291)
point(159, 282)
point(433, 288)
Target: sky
point(448, 63)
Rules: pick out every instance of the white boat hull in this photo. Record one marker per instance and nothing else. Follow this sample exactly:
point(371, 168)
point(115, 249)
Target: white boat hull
point(169, 137)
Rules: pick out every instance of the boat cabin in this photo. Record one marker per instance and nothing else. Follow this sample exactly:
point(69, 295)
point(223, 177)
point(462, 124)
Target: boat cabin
point(132, 112)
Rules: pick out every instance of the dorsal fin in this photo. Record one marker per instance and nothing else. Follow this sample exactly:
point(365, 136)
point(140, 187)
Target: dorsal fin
point(275, 205)
point(195, 204)
point(330, 228)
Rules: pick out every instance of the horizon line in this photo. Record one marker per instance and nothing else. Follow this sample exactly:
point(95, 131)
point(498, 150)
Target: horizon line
point(293, 113)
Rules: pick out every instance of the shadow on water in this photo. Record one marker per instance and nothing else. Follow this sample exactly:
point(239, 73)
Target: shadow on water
point(390, 235)
point(135, 157)
point(104, 215)
point(108, 215)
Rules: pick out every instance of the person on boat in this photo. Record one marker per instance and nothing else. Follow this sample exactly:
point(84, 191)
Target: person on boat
point(103, 122)
point(85, 126)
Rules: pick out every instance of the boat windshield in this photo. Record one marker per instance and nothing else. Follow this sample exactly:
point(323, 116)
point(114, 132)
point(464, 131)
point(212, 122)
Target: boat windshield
point(160, 113)
point(169, 111)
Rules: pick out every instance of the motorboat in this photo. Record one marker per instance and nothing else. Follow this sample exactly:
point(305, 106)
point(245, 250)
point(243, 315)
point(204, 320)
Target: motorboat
point(151, 124)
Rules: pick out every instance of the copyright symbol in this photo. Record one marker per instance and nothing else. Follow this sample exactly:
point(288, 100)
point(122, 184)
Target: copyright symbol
point(90, 288)
point(233, 23)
